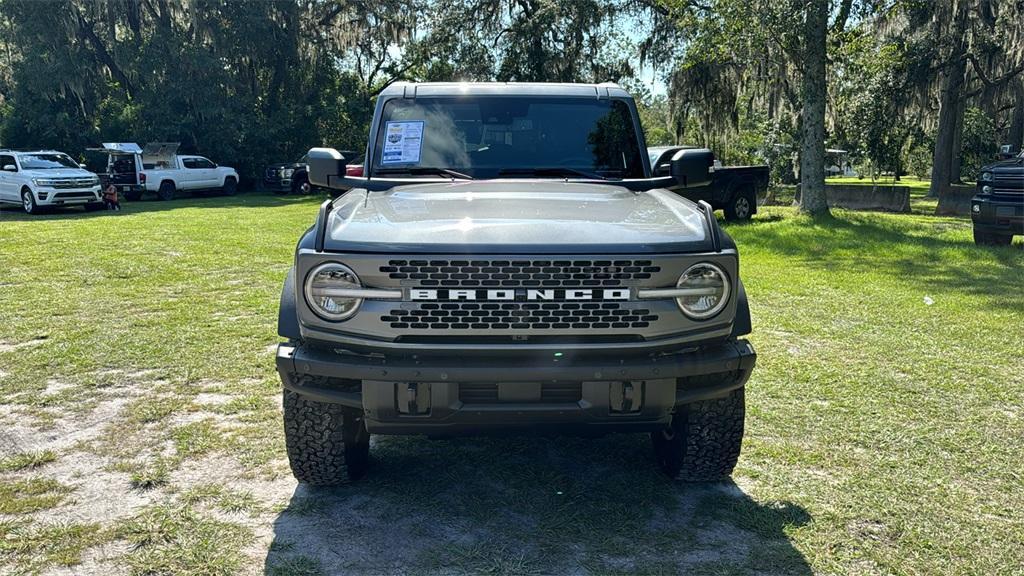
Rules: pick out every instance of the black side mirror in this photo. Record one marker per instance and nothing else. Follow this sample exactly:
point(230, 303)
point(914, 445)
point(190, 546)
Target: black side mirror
point(692, 167)
point(325, 165)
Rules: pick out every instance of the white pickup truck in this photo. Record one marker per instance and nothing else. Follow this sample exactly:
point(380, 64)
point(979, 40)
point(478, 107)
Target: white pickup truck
point(158, 168)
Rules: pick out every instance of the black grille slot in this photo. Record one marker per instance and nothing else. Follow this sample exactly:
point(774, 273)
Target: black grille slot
point(521, 273)
point(519, 316)
point(551, 392)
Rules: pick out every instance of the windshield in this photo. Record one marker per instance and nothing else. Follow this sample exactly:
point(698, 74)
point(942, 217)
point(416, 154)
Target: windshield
point(46, 161)
point(487, 137)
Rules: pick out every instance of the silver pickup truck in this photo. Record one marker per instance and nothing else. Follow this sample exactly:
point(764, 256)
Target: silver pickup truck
point(507, 263)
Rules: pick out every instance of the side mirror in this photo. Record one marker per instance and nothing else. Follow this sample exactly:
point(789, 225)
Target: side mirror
point(692, 168)
point(325, 165)
point(10, 168)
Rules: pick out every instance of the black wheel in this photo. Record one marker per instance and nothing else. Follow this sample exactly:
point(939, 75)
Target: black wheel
point(230, 187)
point(741, 207)
point(327, 444)
point(166, 191)
point(28, 202)
point(703, 442)
point(992, 239)
point(94, 206)
point(133, 195)
point(301, 186)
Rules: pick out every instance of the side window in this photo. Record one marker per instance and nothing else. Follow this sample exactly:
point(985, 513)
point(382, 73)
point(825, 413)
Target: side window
point(190, 163)
point(204, 163)
point(6, 161)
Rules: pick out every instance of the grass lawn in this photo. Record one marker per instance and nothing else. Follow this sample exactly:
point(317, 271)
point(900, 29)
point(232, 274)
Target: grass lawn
point(140, 417)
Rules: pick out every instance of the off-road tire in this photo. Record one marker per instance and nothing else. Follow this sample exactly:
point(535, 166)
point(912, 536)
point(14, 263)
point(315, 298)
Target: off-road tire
point(704, 440)
point(230, 187)
point(992, 239)
point(327, 444)
point(741, 207)
point(133, 196)
point(28, 202)
point(166, 191)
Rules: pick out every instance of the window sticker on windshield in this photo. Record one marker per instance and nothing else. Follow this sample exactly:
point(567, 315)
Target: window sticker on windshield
point(402, 142)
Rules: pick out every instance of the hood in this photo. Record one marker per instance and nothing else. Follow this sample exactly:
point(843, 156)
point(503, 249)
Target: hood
point(58, 173)
point(1015, 165)
point(510, 216)
point(292, 165)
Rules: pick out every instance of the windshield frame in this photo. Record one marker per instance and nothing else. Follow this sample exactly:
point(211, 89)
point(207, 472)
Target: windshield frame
point(40, 155)
point(378, 121)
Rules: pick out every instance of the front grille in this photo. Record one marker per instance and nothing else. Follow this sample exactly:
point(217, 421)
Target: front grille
point(520, 273)
point(519, 316)
point(271, 173)
point(74, 195)
point(552, 392)
point(66, 183)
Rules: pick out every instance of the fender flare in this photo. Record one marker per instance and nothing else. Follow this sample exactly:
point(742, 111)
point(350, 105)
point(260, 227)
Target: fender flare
point(741, 324)
point(287, 315)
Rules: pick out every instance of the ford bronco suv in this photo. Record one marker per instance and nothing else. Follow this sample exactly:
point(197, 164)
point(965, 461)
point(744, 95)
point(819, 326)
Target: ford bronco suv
point(507, 263)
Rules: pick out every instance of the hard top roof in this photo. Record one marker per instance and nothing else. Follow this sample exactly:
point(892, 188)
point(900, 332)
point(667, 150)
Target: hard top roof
point(415, 89)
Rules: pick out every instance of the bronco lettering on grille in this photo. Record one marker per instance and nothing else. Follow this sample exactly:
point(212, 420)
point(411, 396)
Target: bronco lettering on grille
point(520, 294)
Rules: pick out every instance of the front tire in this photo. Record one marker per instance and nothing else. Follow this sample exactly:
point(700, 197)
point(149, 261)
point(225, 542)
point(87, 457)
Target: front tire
point(230, 187)
point(741, 208)
point(166, 191)
point(301, 186)
point(28, 202)
point(327, 444)
point(992, 239)
point(703, 442)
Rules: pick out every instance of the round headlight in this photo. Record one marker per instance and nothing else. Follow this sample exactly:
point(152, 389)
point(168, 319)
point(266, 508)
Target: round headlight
point(325, 291)
point(986, 176)
point(707, 291)
point(986, 189)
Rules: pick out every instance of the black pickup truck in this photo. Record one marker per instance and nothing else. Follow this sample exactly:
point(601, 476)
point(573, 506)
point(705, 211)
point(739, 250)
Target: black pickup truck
point(733, 189)
point(998, 209)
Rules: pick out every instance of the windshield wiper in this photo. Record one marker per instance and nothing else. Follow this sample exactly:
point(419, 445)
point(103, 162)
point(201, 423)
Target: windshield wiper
point(422, 170)
point(552, 171)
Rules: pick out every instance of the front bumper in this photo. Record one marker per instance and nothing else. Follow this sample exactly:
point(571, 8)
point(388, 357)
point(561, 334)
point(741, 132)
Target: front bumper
point(998, 213)
point(67, 197)
point(460, 395)
point(277, 184)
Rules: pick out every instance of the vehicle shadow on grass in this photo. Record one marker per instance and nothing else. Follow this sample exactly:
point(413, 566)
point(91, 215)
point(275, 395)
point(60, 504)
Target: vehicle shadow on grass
point(254, 199)
point(529, 505)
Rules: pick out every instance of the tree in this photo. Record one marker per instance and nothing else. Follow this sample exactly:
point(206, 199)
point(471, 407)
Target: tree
point(812, 143)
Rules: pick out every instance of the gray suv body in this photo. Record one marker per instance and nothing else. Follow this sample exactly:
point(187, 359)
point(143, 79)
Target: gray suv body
point(508, 264)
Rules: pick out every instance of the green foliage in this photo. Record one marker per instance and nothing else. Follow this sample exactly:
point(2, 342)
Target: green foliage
point(979, 143)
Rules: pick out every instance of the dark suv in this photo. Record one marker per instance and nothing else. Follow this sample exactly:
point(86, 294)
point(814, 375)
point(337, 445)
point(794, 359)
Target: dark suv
point(998, 208)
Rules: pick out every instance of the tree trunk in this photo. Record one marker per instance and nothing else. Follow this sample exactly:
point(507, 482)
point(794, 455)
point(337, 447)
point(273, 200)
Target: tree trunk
point(1016, 134)
point(812, 145)
point(945, 135)
point(958, 143)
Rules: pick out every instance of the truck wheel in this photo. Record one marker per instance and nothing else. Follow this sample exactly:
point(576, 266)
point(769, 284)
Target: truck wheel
point(703, 442)
point(300, 186)
point(992, 239)
point(28, 202)
point(327, 444)
point(133, 195)
point(230, 187)
point(166, 191)
point(741, 207)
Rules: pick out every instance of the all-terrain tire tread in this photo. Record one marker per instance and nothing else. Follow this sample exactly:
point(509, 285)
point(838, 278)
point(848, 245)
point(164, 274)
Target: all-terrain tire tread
point(315, 439)
point(707, 439)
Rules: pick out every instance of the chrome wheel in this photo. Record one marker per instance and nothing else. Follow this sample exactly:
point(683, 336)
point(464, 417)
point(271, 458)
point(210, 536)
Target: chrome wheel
point(27, 202)
point(742, 208)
